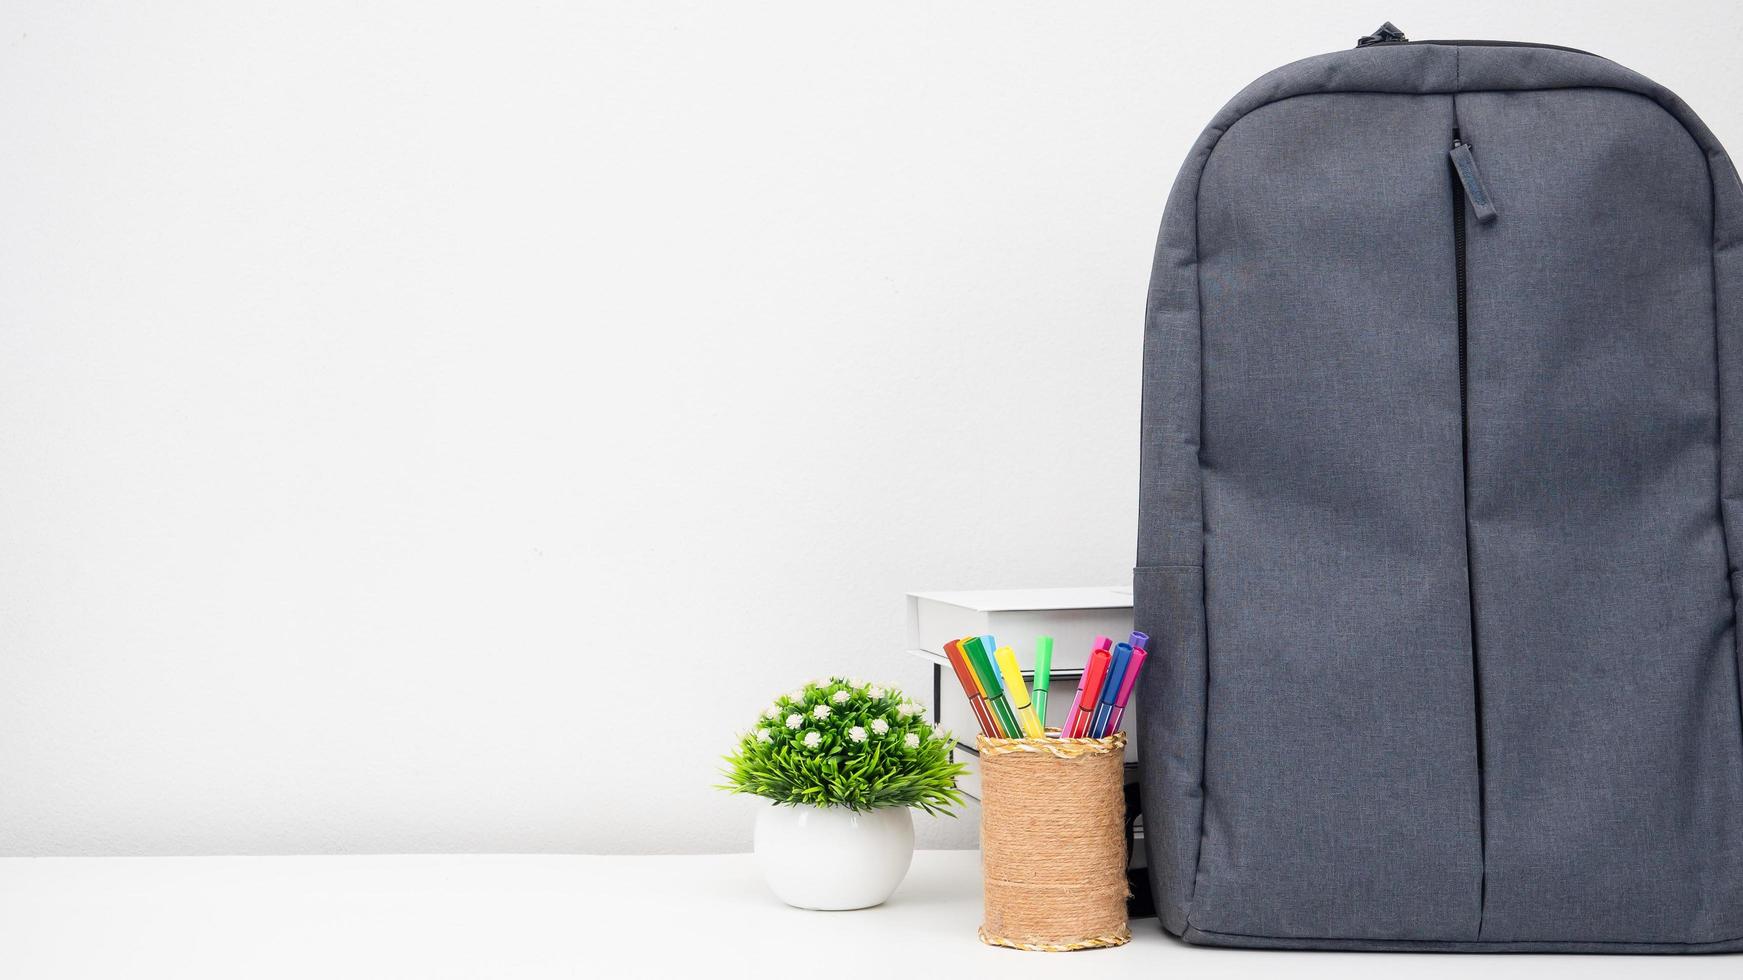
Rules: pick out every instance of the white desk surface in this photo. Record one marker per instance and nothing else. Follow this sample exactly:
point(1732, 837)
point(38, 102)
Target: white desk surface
point(430, 916)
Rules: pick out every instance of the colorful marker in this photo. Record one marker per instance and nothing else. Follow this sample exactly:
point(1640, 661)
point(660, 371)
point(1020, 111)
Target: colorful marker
point(1013, 675)
point(1139, 640)
point(1088, 687)
point(1101, 643)
point(1110, 691)
point(971, 687)
point(980, 685)
point(1043, 677)
point(1139, 654)
point(975, 647)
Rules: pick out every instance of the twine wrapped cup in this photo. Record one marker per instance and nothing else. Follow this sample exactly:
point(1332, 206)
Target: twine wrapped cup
point(1053, 842)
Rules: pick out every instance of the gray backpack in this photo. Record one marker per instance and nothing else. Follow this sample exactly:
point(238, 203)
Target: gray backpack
point(1441, 511)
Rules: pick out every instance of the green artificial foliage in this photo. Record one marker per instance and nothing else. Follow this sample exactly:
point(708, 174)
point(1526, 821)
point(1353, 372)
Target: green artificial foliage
point(842, 742)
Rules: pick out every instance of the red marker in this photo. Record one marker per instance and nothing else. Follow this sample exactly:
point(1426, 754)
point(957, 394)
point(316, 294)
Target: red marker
point(1101, 643)
point(1082, 706)
point(965, 677)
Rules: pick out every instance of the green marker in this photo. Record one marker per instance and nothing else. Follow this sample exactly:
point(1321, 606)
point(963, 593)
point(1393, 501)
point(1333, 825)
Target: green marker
point(1043, 676)
point(995, 692)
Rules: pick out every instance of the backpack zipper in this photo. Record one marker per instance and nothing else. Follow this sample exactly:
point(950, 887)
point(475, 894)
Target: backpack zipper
point(1460, 191)
point(1464, 163)
point(1466, 185)
point(1387, 34)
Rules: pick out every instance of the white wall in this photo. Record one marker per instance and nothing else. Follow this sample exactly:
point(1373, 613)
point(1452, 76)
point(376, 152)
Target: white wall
point(385, 387)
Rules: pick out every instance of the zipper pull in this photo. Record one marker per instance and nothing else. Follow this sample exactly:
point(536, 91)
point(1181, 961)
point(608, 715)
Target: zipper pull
point(1465, 164)
point(1384, 34)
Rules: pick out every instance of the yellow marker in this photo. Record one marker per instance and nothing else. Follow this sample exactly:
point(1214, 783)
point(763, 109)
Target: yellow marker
point(1019, 694)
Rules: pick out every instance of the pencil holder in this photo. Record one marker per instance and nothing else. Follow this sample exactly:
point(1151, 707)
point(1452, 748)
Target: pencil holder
point(1053, 847)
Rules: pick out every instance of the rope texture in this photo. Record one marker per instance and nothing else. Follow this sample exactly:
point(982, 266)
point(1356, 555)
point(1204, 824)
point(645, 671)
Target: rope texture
point(1064, 748)
point(1120, 938)
point(1053, 842)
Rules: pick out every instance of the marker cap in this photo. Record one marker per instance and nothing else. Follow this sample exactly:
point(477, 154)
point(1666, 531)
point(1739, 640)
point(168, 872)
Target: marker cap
point(1110, 689)
point(1013, 674)
point(1093, 675)
point(1130, 680)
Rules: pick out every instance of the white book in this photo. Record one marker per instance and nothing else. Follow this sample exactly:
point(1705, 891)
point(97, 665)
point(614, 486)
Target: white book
point(1015, 617)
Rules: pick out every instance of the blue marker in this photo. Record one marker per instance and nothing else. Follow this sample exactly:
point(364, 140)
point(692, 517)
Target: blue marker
point(1110, 691)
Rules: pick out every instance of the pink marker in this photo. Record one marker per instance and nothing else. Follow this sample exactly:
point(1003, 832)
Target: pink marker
point(1101, 643)
point(1136, 664)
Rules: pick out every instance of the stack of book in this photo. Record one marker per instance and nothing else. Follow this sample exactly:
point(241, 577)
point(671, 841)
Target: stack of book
point(1073, 617)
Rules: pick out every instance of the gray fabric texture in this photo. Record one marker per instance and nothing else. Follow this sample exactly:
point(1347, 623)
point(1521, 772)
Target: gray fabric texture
point(1445, 653)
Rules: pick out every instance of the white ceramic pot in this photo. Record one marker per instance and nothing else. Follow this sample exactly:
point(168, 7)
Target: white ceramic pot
point(832, 857)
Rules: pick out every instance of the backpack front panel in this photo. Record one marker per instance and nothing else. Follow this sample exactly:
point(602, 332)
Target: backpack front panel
point(1340, 778)
point(1613, 767)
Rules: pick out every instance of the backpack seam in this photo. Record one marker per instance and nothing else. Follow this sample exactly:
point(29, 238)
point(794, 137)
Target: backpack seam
point(1477, 942)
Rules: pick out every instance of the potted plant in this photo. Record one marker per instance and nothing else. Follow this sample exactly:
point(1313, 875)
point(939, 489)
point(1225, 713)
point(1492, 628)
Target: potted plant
point(843, 762)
